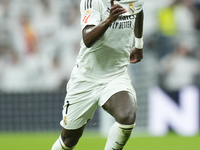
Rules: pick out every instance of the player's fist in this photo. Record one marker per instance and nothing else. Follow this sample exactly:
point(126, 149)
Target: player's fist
point(136, 55)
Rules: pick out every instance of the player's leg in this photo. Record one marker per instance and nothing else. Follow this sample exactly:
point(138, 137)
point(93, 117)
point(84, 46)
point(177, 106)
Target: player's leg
point(68, 139)
point(71, 137)
point(122, 106)
point(79, 107)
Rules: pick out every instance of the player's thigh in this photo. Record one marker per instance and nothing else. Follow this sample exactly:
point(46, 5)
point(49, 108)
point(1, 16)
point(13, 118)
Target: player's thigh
point(122, 106)
point(80, 102)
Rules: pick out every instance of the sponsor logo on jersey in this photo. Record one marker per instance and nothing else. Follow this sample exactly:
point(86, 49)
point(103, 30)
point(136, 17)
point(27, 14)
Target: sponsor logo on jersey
point(129, 17)
point(131, 8)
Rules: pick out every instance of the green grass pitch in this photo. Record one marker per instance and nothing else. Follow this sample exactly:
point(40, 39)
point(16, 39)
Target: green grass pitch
point(91, 141)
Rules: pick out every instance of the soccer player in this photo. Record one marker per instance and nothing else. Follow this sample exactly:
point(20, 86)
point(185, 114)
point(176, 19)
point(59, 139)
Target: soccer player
point(100, 78)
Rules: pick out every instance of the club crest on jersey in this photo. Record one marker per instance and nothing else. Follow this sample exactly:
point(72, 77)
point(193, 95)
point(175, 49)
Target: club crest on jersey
point(131, 8)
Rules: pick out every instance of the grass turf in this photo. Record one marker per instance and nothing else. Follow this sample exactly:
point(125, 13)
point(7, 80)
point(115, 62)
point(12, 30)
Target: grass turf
point(44, 141)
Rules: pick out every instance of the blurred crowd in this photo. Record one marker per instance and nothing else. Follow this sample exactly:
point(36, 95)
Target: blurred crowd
point(40, 39)
point(39, 42)
point(178, 44)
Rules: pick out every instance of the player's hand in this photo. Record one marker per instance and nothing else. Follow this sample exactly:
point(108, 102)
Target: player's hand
point(136, 55)
point(115, 11)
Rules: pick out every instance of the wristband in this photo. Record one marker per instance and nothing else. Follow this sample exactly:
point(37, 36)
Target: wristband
point(139, 43)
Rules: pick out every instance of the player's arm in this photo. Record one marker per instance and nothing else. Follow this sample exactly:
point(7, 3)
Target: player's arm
point(139, 24)
point(92, 33)
point(136, 54)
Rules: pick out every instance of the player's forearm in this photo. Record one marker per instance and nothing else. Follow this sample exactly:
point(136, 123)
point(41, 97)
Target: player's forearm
point(91, 34)
point(139, 25)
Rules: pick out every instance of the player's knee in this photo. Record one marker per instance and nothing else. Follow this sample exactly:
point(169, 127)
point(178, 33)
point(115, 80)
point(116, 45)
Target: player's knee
point(127, 117)
point(71, 137)
point(70, 142)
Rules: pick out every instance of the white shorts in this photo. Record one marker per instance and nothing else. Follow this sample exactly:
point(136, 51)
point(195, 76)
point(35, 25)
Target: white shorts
point(85, 95)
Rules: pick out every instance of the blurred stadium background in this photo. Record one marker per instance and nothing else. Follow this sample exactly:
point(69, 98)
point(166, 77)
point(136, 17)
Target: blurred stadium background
point(39, 42)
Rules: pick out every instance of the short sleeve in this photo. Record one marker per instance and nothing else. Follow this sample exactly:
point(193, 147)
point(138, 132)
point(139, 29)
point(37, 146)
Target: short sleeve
point(90, 12)
point(138, 5)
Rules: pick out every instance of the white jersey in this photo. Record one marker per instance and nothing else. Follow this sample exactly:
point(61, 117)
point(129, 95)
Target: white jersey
point(109, 56)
